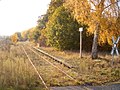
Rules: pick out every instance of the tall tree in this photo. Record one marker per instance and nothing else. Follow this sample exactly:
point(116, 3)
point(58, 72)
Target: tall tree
point(62, 30)
point(54, 4)
point(92, 13)
point(43, 19)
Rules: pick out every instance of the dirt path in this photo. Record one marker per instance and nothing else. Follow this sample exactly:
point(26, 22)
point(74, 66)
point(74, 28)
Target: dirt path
point(109, 87)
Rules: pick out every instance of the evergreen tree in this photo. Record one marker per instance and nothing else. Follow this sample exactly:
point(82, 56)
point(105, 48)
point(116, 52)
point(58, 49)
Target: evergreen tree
point(62, 30)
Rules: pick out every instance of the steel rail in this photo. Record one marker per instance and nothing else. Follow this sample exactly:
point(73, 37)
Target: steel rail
point(84, 87)
point(35, 68)
point(54, 65)
point(54, 58)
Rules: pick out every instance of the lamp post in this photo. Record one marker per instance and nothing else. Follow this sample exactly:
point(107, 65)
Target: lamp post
point(81, 29)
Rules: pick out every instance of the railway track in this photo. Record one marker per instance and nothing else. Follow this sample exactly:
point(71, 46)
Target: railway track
point(35, 68)
point(54, 58)
point(50, 62)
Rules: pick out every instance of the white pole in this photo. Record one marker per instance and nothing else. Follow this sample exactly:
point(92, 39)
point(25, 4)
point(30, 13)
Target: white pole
point(80, 29)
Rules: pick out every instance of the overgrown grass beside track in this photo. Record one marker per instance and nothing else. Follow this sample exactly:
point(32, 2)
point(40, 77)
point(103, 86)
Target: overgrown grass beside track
point(90, 72)
point(16, 72)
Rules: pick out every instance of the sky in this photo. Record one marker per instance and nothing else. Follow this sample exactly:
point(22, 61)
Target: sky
point(20, 15)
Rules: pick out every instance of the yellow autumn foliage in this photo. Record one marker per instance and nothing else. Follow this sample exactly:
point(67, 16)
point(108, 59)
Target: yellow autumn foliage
point(104, 12)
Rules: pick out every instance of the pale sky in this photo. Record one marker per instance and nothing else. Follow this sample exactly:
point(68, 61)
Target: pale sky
point(20, 15)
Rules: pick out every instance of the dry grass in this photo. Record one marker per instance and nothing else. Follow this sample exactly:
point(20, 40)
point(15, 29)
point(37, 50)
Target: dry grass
point(90, 72)
point(16, 73)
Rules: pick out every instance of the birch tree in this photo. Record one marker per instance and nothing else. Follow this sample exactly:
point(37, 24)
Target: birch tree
point(99, 15)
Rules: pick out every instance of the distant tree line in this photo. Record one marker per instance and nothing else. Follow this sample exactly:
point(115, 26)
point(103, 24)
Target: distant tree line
point(5, 43)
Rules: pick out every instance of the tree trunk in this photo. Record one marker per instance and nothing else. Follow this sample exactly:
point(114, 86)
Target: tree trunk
point(94, 54)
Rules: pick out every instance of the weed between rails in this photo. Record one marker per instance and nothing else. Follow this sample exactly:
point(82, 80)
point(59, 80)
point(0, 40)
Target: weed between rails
point(16, 72)
point(88, 71)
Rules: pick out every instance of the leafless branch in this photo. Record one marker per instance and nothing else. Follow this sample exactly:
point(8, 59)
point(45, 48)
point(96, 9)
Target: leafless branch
point(112, 4)
point(92, 2)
